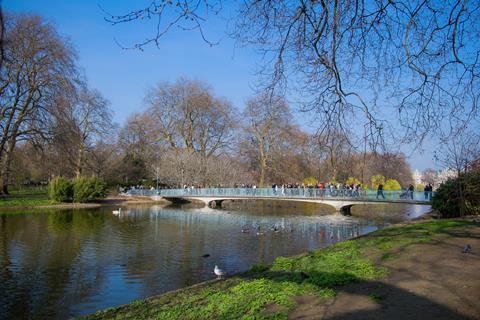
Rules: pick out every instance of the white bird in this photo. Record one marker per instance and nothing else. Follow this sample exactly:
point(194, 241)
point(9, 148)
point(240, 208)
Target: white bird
point(116, 212)
point(219, 272)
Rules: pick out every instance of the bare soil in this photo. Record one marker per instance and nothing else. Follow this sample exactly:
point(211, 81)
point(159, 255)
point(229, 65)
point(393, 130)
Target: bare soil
point(426, 281)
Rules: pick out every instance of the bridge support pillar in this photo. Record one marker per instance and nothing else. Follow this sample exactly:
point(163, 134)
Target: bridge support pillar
point(215, 204)
point(345, 210)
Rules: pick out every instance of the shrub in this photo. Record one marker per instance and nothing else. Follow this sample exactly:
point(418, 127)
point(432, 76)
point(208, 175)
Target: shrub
point(458, 196)
point(60, 190)
point(376, 180)
point(392, 184)
point(352, 180)
point(310, 181)
point(88, 189)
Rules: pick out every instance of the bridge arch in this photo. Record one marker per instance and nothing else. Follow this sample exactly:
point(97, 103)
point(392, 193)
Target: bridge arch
point(343, 207)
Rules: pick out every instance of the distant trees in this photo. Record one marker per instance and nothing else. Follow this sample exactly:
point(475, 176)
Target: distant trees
point(186, 115)
point(390, 165)
point(266, 125)
point(53, 124)
point(80, 125)
point(335, 150)
point(186, 132)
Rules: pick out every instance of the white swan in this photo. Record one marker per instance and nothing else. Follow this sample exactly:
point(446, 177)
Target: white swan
point(219, 272)
point(116, 212)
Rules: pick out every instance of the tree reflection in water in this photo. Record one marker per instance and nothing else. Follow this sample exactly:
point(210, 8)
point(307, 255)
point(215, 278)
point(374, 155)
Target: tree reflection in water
point(59, 264)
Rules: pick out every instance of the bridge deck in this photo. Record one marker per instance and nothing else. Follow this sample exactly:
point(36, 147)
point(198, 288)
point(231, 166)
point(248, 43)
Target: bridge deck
point(327, 196)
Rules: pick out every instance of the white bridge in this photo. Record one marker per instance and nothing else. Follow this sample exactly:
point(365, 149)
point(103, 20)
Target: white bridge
point(340, 199)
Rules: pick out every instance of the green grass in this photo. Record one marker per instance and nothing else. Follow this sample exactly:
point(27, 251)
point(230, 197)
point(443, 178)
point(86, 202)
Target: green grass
point(266, 292)
point(25, 197)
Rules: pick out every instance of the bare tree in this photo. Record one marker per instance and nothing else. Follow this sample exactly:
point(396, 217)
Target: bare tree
point(266, 118)
point(187, 116)
point(138, 137)
point(356, 61)
point(38, 68)
point(458, 152)
point(81, 124)
point(181, 168)
point(334, 149)
point(292, 159)
point(165, 15)
point(429, 176)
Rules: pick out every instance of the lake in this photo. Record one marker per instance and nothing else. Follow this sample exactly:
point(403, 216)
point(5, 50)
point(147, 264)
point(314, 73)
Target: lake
point(65, 263)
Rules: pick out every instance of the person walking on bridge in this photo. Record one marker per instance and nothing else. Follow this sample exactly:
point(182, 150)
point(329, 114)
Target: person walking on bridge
point(410, 191)
point(380, 191)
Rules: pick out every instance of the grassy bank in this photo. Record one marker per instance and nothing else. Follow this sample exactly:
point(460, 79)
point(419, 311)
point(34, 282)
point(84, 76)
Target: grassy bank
point(270, 292)
point(25, 198)
point(33, 198)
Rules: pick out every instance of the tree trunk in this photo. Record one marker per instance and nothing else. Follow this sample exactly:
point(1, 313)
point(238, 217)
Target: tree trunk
point(263, 167)
point(3, 183)
point(6, 163)
point(78, 169)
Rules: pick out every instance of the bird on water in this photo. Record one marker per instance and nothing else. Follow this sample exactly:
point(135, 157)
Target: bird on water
point(219, 272)
point(117, 211)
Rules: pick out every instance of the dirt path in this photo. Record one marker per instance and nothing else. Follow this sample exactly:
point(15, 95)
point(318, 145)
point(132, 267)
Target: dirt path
point(427, 281)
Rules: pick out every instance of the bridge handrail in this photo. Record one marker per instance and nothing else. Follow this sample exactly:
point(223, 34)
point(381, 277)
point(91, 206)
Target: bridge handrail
point(417, 196)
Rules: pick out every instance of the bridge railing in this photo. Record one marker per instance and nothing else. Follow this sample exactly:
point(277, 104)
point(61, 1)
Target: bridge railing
point(284, 193)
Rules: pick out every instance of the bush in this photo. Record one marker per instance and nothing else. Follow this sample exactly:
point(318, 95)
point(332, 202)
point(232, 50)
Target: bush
point(458, 196)
point(376, 180)
point(392, 184)
point(310, 181)
point(88, 189)
point(60, 190)
point(352, 180)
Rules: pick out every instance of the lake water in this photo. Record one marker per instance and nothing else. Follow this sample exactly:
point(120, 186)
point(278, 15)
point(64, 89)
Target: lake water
point(61, 264)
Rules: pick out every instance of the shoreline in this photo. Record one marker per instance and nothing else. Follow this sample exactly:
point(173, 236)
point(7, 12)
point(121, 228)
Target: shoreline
point(107, 202)
point(425, 230)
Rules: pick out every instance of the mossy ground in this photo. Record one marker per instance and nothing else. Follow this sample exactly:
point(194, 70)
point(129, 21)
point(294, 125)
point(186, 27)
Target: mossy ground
point(251, 295)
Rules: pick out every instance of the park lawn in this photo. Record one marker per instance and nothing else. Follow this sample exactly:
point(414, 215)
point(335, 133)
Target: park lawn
point(26, 198)
point(268, 292)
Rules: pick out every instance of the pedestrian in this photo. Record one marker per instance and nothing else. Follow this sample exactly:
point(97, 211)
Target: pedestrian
point(380, 191)
point(410, 191)
point(430, 190)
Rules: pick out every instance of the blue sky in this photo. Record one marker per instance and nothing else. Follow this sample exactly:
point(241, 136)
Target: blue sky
point(123, 76)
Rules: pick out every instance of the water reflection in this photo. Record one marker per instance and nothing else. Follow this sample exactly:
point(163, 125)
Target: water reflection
point(59, 264)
